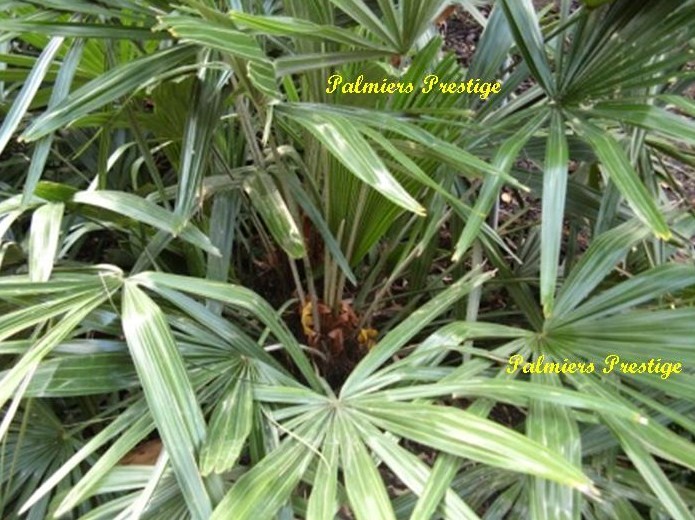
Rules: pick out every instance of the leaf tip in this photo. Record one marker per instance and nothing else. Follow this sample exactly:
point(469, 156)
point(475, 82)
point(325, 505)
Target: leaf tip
point(665, 236)
point(589, 489)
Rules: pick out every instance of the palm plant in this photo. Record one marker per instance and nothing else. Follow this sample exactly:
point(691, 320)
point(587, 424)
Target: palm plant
point(290, 289)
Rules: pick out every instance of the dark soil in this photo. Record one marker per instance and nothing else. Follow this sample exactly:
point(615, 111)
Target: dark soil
point(461, 33)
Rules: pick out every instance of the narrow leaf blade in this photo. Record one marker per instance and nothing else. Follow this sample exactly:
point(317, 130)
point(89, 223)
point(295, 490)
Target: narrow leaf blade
point(172, 401)
point(43, 240)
